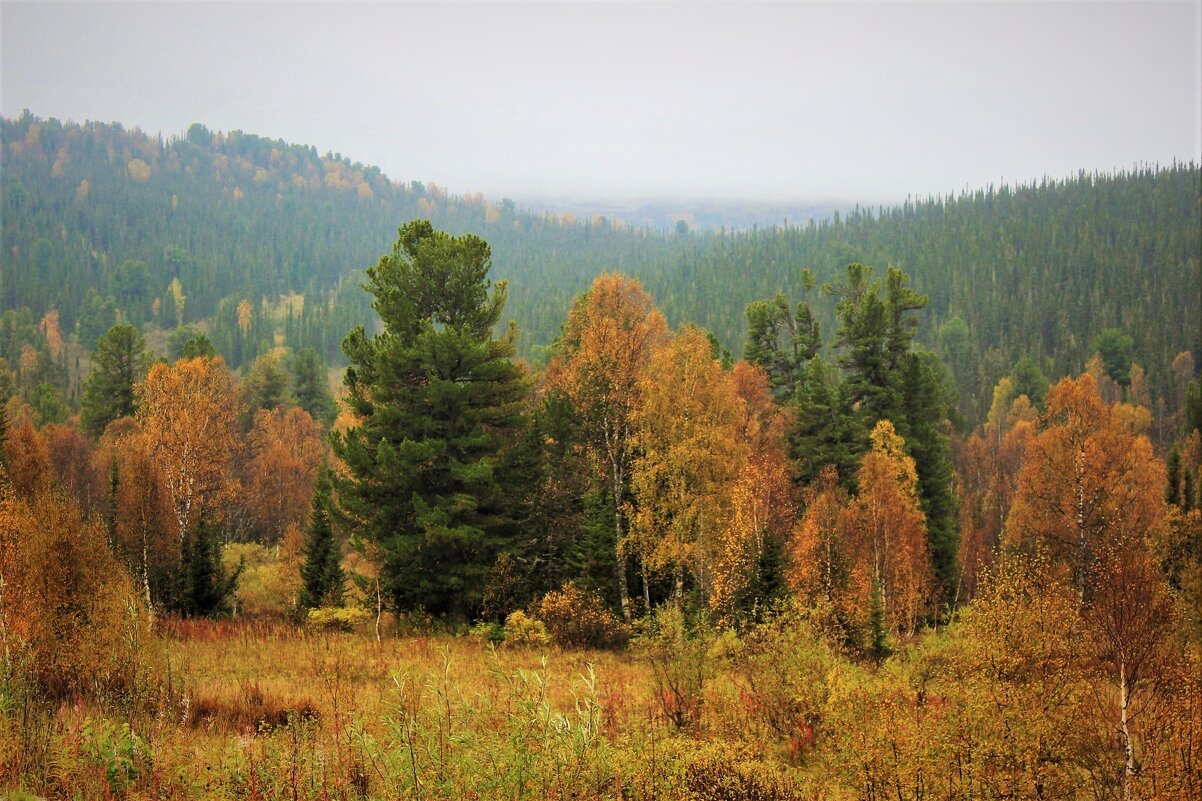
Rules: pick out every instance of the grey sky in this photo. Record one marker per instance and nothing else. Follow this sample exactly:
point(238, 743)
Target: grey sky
point(786, 101)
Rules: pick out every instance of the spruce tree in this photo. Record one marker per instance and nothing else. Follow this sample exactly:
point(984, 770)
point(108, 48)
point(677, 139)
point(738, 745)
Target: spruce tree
point(310, 386)
point(321, 574)
point(118, 363)
point(438, 399)
point(204, 588)
point(1172, 493)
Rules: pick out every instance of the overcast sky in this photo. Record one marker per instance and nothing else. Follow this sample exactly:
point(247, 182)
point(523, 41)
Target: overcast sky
point(786, 101)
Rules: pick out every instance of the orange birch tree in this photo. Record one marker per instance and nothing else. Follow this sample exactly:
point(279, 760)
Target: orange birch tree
point(607, 341)
point(188, 414)
point(887, 533)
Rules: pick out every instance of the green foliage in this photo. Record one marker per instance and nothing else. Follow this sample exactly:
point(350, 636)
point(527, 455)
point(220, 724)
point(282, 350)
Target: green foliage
point(118, 363)
point(438, 399)
point(1027, 266)
point(678, 651)
point(1193, 406)
point(1172, 492)
point(96, 316)
point(205, 590)
point(1115, 346)
point(266, 385)
point(322, 579)
point(48, 404)
point(781, 342)
point(117, 750)
point(923, 427)
point(310, 386)
point(1029, 380)
point(883, 379)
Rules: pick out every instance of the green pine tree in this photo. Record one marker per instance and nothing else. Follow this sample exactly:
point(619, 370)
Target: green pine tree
point(1172, 493)
point(321, 574)
point(118, 363)
point(311, 387)
point(439, 400)
point(204, 588)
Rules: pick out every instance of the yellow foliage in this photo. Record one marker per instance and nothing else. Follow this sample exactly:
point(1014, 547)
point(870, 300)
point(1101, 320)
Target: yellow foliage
point(138, 170)
point(70, 615)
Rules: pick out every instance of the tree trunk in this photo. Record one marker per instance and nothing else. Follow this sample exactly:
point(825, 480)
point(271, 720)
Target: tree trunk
point(1128, 746)
point(646, 588)
point(1082, 553)
point(623, 589)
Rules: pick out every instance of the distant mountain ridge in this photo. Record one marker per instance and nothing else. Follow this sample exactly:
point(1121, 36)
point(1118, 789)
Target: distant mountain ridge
point(187, 229)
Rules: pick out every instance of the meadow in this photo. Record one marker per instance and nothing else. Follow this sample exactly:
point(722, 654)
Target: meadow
point(271, 711)
point(998, 705)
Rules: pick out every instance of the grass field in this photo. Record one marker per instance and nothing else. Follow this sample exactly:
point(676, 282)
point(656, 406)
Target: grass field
point(261, 711)
point(237, 710)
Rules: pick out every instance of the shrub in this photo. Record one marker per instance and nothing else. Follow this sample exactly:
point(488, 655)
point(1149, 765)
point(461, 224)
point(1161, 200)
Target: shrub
point(679, 655)
point(723, 774)
point(781, 675)
point(337, 618)
point(74, 622)
point(269, 582)
point(523, 630)
point(576, 619)
point(488, 633)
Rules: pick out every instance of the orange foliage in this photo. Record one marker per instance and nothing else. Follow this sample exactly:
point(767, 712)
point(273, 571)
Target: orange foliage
point(28, 458)
point(68, 614)
point(71, 460)
point(1085, 480)
point(818, 567)
point(886, 531)
point(188, 414)
point(607, 341)
point(285, 446)
point(987, 472)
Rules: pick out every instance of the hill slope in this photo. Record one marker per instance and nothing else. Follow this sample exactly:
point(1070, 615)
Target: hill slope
point(96, 214)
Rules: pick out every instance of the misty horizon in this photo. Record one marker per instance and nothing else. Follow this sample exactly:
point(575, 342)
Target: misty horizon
point(778, 104)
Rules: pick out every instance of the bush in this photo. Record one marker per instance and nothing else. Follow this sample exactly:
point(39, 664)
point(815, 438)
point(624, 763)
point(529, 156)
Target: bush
point(781, 676)
point(717, 774)
point(576, 619)
point(269, 581)
point(336, 618)
point(679, 655)
point(488, 633)
point(523, 630)
point(75, 623)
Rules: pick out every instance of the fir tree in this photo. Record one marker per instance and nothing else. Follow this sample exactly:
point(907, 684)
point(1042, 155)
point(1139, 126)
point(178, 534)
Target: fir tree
point(310, 386)
point(1172, 493)
point(439, 402)
point(204, 588)
point(321, 574)
point(118, 363)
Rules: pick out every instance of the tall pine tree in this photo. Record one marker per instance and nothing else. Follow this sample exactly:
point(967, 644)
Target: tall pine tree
point(438, 401)
point(118, 363)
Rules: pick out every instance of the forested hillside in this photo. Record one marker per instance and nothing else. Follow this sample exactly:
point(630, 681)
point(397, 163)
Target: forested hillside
point(260, 240)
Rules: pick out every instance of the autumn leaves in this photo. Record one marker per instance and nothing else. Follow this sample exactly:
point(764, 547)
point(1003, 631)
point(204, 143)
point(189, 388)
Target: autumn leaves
point(691, 452)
